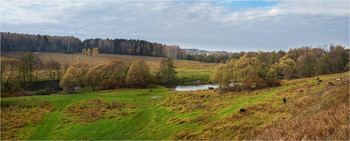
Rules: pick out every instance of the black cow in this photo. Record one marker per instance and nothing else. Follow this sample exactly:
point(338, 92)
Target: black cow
point(284, 100)
point(319, 80)
point(242, 110)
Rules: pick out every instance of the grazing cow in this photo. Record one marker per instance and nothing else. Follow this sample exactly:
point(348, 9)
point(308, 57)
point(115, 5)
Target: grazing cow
point(339, 79)
point(210, 88)
point(284, 100)
point(330, 84)
point(300, 90)
point(242, 110)
point(150, 90)
point(318, 78)
point(320, 81)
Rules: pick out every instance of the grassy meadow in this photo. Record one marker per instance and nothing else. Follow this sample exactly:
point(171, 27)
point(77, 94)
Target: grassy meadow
point(188, 71)
point(319, 112)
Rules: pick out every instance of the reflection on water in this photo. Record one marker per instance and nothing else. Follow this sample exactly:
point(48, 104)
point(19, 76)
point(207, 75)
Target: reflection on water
point(193, 87)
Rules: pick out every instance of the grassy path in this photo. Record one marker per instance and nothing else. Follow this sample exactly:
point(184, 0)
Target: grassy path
point(46, 127)
point(146, 122)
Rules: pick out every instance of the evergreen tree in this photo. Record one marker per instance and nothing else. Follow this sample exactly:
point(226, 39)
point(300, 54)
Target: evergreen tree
point(167, 74)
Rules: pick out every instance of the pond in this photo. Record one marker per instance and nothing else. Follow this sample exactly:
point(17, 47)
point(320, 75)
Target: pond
point(193, 87)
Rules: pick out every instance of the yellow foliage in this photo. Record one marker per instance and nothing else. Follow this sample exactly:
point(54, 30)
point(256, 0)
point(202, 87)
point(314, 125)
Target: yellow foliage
point(89, 52)
point(138, 74)
point(95, 51)
point(83, 51)
point(75, 76)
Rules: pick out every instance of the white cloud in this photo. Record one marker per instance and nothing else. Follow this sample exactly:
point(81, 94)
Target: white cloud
point(203, 24)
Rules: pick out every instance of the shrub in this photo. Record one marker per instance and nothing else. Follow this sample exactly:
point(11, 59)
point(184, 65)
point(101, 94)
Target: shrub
point(273, 82)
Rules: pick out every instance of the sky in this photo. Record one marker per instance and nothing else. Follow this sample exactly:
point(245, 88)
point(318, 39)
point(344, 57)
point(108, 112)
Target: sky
point(215, 25)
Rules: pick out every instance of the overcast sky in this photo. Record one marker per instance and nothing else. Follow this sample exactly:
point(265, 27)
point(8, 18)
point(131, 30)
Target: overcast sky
point(210, 25)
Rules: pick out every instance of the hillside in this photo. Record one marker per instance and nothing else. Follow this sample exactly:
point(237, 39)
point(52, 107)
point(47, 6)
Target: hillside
point(188, 71)
point(319, 112)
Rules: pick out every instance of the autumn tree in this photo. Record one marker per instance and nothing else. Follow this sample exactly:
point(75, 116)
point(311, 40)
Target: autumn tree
point(166, 74)
point(286, 67)
point(95, 51)
point(26, 67)
point(114, 73)
point(89, 52)
point(95, 76)
point(306, 65)
point(323, 65)
point(279, 55)
point(84, 51)
point(273, 58)
point(38, 66)
point(224, 74)
point(54, 69)
point(75, 76)
point(247, 67)
point(9, 76)
point(138, 74)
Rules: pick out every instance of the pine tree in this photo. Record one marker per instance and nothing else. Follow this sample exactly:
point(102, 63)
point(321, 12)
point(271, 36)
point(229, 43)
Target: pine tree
point(167, 74)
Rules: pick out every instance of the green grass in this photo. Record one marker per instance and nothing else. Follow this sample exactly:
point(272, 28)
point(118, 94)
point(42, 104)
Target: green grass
point(160, 114)
point(189, 76)
point(148, 121)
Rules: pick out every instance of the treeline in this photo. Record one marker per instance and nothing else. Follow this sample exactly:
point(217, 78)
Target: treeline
point(69, 44)
point(29, 42)
point(29, 70)
point(261, 69)
point(134, 47)
point(39, 43)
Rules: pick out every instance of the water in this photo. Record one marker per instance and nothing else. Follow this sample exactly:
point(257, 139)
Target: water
point(193, 87)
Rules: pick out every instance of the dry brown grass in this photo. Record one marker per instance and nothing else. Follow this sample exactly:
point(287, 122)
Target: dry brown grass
point(92, 110)
point(326, 119)
point(318, 104)
point(190, 101)
point(12, 116)
point(152, 62)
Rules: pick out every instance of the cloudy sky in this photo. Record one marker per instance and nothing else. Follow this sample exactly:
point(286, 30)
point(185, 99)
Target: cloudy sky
point(210, 25)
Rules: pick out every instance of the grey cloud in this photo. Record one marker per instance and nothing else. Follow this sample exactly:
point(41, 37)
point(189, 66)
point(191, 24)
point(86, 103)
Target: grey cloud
point(190, 24)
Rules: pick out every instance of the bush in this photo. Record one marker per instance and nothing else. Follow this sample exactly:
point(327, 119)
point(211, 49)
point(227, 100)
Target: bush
point(273, 82)
point(254, 82)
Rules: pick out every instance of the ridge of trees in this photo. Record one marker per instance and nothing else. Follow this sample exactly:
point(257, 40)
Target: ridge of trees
point(70, 44)
point(255, 69)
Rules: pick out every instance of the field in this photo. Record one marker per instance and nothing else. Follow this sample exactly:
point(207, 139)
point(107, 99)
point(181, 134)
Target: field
point(188, 71)
point(319, 112)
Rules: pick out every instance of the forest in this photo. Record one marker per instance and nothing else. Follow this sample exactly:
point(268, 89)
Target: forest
point(69, 44)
